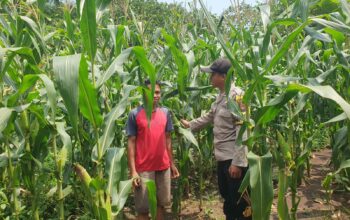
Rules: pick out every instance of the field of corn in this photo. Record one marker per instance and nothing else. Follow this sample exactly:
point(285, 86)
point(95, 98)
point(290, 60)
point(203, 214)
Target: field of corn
point(70, 72)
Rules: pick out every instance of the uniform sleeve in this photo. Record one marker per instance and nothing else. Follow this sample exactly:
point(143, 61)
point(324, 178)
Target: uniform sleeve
point(240, 152)
point(240, 156)
point(131, 126)
point(203, 121)
point(169, 123)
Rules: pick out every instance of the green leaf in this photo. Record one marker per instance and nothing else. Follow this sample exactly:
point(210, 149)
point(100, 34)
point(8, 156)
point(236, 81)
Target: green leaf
point(88, 104)
point(261, 185)
point(103, 213)
point(189, 136)
point(341, 27)
point(279, 79)
point(228, 82)
point(269, 112)
point(285, 47)
point(325, 92)
point(302, 99)
point(66, 191)
point(346, 9)
point(109, 127)
point(147, 66)
point(245, 182)
point(88, 27)
point(152, 196)
point(301, 9)
point(235, 109)
point(338, 36)
point(116, 66)
point(117, 32)
point(34, 27)
point(221, 40)
point(50, 90)
point(189, 89)
point(119, 199)
point(69, 23)
point(267, 37)
point(338, 118)
point(102, 4)
point(180, 61)
point(344, 165)
point(28, 82)
point(265, 15)
point(341, 56)
point(66, 69)
point(66, 149)
point(318, 35)
point(3, 159)
point(5, 114)
point(282, 206)
point(24, 52)
point(322, 77)
point(283, 145)
point(113, 169)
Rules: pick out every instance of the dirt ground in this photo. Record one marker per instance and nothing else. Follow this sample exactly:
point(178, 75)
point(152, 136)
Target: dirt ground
point(313, 203)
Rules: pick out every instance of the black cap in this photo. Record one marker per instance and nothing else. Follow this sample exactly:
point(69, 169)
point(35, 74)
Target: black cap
point(220, 66)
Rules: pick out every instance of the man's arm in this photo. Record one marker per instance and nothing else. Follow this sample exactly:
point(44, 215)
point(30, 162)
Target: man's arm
point(131, 160)
point(199, 123)
point(174, 171)
point(239, 159)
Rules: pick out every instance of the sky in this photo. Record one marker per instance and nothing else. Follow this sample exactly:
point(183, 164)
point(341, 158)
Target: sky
point(215, 6)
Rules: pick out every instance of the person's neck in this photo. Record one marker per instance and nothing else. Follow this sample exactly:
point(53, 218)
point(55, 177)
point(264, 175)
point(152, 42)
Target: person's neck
point(155, 107)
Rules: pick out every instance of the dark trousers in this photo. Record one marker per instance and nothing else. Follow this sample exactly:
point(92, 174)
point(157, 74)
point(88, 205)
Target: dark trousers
point(234, 205)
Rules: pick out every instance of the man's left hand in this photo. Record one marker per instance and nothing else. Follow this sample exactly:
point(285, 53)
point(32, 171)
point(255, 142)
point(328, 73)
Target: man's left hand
point(174, 172)
point(235, 172)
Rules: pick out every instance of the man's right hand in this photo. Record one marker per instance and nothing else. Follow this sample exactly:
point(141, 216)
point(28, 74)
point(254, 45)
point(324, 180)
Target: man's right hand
point(185, 123)
point(136, 180)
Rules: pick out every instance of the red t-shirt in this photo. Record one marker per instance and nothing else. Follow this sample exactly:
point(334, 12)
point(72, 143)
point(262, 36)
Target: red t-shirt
point(150, 152)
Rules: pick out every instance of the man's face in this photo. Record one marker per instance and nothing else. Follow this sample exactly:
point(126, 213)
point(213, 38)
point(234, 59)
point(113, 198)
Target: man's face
point(217, 80)
point(156, 96)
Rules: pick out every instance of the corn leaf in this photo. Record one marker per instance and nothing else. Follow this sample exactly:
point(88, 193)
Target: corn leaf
point(180, 61)
point(325, 92)
point(282, 206)
point(220, 38)
point(88, 27)
point(88, 104)
point(109, 127)
point(147, 66)
point(116, 66)
point(66, 149)
point(152, 196)
point(119, 199)
point(261, 185)
point(50, 91)
point(113, 169)
point(285, 47)
point(337, 118)
point(5, 114)
point(66, 70)
point(189, 136)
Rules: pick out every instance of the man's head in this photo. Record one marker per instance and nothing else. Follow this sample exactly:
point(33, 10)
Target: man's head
point(156, 96)
point(218, 70)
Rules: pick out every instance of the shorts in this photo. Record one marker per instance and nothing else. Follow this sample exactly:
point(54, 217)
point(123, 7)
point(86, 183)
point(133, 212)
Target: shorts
point(162, 181)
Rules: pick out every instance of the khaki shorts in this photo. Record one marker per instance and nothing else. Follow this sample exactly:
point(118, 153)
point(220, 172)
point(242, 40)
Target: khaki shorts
point(162, 181)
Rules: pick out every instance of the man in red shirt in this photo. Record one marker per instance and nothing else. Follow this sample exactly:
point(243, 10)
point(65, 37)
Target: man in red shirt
point(150, 154)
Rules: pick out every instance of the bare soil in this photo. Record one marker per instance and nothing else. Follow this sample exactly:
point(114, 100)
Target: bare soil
point(313, 204)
